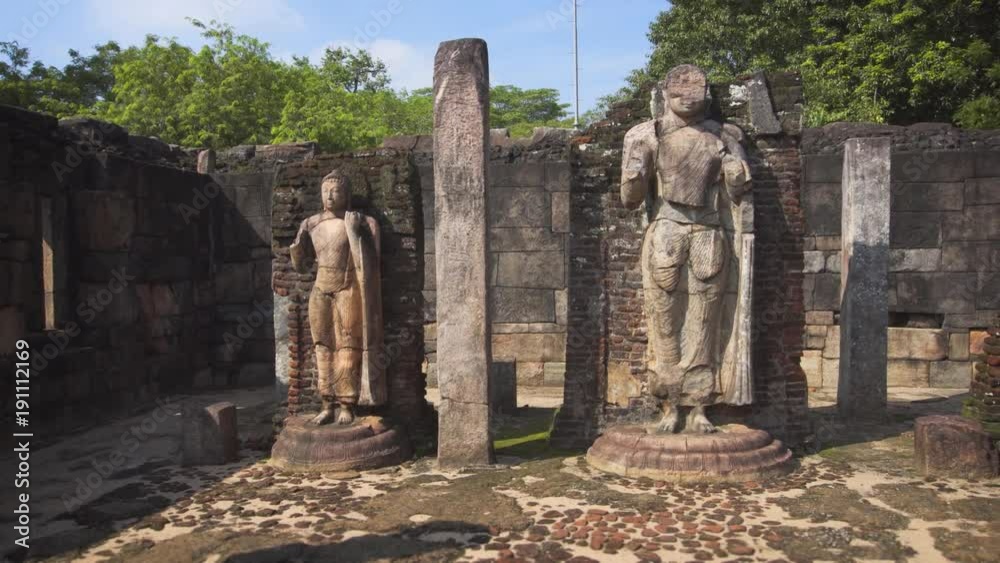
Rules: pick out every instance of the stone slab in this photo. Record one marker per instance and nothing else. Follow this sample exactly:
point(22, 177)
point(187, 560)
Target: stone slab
point(958, 346)
point(907, 373)
point(952, 446)
point(934, 292)
point(529, 347)
point(951, 374)
point(918, 344)
point(928, 196)
point(982, 191)
point(560, 212)
point(519, 207)
point(534, 239)
point(209, 434)
point(516, 305)
point(914, 260)
point(539, 270)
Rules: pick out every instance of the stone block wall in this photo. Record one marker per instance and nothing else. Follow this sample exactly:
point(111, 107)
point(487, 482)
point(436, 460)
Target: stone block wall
point(104, 271)
point(606, 344)
point(245, 305)
point(529, 183)
point(385, 185)
point(944, 273)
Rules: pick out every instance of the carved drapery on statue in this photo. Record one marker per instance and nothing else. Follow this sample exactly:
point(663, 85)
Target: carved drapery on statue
point(367, 254)
point(697, 254)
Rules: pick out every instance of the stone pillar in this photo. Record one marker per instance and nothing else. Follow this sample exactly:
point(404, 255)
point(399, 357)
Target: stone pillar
point(206, 161)
point(461, 155)
point(864, 293)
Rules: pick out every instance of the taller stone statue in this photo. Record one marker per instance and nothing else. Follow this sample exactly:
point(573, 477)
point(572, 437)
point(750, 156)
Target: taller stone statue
point(345, 307)
point(692, 173)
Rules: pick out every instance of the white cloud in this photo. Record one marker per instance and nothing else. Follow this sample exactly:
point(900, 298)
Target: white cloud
point(410, 66)
point(128, 16)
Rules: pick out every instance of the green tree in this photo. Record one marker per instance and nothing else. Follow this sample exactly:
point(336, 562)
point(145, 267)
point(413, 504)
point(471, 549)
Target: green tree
point(151, 84)
point(522, 110)
point(84, 81)
point(239, 91)
point(898, 61)
point(355, 70)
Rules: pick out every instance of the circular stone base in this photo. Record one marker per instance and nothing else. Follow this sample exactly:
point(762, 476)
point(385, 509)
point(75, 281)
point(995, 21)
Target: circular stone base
point(735, 453)
point(367, 444)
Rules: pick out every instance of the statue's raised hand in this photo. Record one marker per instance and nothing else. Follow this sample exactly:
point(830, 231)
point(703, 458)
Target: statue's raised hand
point(354, 220)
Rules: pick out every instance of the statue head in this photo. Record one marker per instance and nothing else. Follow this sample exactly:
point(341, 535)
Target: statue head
point(336, 189)
point(687, 91)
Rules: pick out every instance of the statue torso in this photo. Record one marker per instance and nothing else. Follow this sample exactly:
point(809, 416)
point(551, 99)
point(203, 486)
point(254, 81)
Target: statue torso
point(333, 253)
point(688, 165)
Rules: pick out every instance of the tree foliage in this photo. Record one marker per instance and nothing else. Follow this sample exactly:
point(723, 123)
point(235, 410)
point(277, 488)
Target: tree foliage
point(898, 61)
point(234, 91)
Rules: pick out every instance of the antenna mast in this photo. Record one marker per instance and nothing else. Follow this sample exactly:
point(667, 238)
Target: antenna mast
point(576, 63)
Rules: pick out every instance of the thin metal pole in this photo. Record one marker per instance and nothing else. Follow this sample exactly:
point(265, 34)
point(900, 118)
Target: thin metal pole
point(576, 63)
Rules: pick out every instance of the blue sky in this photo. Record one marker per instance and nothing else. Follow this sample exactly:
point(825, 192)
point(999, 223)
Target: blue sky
point(530, 40)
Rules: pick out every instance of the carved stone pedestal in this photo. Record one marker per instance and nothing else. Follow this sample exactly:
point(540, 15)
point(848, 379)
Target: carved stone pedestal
point(369, 443)
point(735, 453)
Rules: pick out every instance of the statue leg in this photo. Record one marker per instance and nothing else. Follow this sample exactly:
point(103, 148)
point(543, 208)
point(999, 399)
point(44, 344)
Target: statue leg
point(321, 327)
point(702, 357)
point(662, 260)
point(348, 328)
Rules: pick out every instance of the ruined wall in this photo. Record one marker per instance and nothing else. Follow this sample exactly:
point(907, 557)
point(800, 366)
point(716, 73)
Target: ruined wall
point(944, 273)
point(529, 233)
point(386, 186)
point(606, 342)
point(247, 174)
point(130, 282)
point(245, 305)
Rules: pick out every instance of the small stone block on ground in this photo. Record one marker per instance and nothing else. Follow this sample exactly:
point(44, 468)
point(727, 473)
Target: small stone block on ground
point(209, 434)
point(953, 446)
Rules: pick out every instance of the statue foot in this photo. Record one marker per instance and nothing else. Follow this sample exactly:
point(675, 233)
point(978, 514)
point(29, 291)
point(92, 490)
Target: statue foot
point(698, 423)
point(345, 416)
point(668, 424)
point(324, 417)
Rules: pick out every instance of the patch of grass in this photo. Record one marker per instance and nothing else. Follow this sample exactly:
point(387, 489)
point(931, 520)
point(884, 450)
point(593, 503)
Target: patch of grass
point(527, 434)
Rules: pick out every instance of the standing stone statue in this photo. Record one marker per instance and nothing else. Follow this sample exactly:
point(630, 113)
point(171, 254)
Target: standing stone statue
point(345, 307)
point(692, 173)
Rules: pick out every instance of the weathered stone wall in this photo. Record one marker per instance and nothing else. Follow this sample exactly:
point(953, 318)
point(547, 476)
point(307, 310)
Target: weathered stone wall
point(529, 235)
point(133, 290)
point(387, 187)
point(245, 305)
point(161, 276)
point(944, 278)
point(606, 342)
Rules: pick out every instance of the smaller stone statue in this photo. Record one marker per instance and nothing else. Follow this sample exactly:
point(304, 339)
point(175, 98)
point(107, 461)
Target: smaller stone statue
point(345, 307)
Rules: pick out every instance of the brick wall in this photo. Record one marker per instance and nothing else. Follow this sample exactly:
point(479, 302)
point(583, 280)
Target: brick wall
point(386, 186)
point(944, 278)
point(606, 344)
point(529, 228)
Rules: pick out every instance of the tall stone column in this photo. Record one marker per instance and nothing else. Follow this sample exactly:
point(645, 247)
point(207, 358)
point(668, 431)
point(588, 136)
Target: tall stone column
point(461, 147)
point(864, 293)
